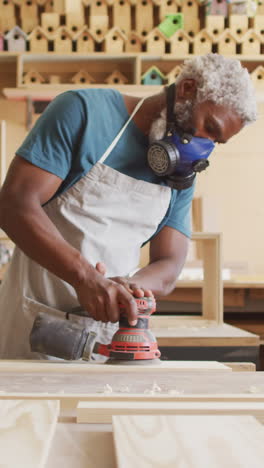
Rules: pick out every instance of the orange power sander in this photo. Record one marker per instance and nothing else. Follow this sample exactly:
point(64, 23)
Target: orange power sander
point(69, 340)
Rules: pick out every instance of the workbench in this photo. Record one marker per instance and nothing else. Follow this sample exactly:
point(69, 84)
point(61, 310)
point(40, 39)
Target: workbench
point(195, 389)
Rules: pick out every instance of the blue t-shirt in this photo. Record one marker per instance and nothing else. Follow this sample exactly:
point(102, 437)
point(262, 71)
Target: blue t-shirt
point(75, 130)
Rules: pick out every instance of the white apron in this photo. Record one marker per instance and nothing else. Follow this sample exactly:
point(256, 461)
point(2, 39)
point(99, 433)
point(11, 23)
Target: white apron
point(107, 216)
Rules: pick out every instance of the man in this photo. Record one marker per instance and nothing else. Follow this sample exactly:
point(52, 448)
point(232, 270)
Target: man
point(80, 197)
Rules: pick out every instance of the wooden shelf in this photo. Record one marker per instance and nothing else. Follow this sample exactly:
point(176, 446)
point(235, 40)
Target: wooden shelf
point(47, 92)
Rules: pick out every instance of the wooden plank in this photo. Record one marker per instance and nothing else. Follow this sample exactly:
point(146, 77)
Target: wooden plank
point(90, 369)
point(212, 304)
point(79, 386)
point(26, 432)
point(188, 441)
point(102, 413)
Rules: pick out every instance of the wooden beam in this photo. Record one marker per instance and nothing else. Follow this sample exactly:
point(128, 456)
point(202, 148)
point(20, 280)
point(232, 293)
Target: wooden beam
point(102, 413)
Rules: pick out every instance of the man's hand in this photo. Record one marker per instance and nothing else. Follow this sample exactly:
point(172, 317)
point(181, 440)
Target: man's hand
point(134, 289)
point(101, 297)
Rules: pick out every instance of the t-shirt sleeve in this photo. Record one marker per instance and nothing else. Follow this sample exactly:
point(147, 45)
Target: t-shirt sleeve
point(51, 143)
point(180, 214)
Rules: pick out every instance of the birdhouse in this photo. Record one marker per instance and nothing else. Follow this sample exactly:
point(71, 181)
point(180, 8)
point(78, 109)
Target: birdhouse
point(153, 76)
point(180, 43)
point(33, 77)
point(156, 42)
point(216, 7)
point(29, 15)
point(168, 7)
point(227, 43)
point(260, 8)
point(114, 41)
point(85, 40)
point(215, 25)
point(1, 42)
point(62, 40)
point(250, 43)
point(259, 26)
point(16, 40)
point(98, 17)
point(116, 78)
point(173, 74)
point(238, 24)
point(82, 77)
point(50, 22)
point(38, 40)
point(191, 26)
point(134, 42)
point(7, 16)
point(144, 17)
point(171, 24)
point(75, 22)
point(202, 43)
point(55, 6)
point(243, 7)
point(190, 8)
point(121, 11)
point(257, 77)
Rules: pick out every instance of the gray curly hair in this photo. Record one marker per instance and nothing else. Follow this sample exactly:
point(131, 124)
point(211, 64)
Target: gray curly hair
point(223, 81)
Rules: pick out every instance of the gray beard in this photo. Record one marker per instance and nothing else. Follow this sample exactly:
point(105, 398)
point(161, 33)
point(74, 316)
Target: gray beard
point(183, 112)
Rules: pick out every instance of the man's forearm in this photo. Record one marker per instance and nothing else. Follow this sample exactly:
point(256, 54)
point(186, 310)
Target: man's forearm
point(159, 276)
point(40, 240)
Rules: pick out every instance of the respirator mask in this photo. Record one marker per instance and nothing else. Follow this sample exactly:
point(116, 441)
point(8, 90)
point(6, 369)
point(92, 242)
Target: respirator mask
point(179, 155)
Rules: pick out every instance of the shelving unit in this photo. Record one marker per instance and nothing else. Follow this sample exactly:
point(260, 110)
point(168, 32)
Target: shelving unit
point(100, 65)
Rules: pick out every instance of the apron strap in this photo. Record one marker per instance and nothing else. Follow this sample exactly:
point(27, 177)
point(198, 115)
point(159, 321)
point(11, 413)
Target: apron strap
point(118, 136)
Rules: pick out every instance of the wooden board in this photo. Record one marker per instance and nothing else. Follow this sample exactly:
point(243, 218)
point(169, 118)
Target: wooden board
point(188, 441)
point(85, 367)
point(26, 432)
point(102, 413)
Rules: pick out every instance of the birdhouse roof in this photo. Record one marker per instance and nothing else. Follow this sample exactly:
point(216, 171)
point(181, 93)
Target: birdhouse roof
point(84, 73)
point(156, 32)
point(203, 33)
point(15, 30)
point(176, 68)
point(85, 30)
point(34, 73)
point(180, 32)
point(228, 33)
point(250, 33)
point(118, 74)
point(134, 34)
point(151, 70)
point(117, 31)
point(258, 71)
point(65, 30)
point(39, 29)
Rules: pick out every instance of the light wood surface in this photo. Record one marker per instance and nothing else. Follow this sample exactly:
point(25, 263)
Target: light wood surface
point(26, 432)
point(188, 441)
point(85, 367)
point(102, 413)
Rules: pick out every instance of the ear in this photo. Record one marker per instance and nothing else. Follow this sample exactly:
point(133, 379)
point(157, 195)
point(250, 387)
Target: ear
point(186, 89)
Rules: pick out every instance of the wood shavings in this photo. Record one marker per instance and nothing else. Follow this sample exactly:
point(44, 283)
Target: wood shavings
point(174, 391)
point(124, 389)
point(154, 389)
point(253, 389)
point(108, 388)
